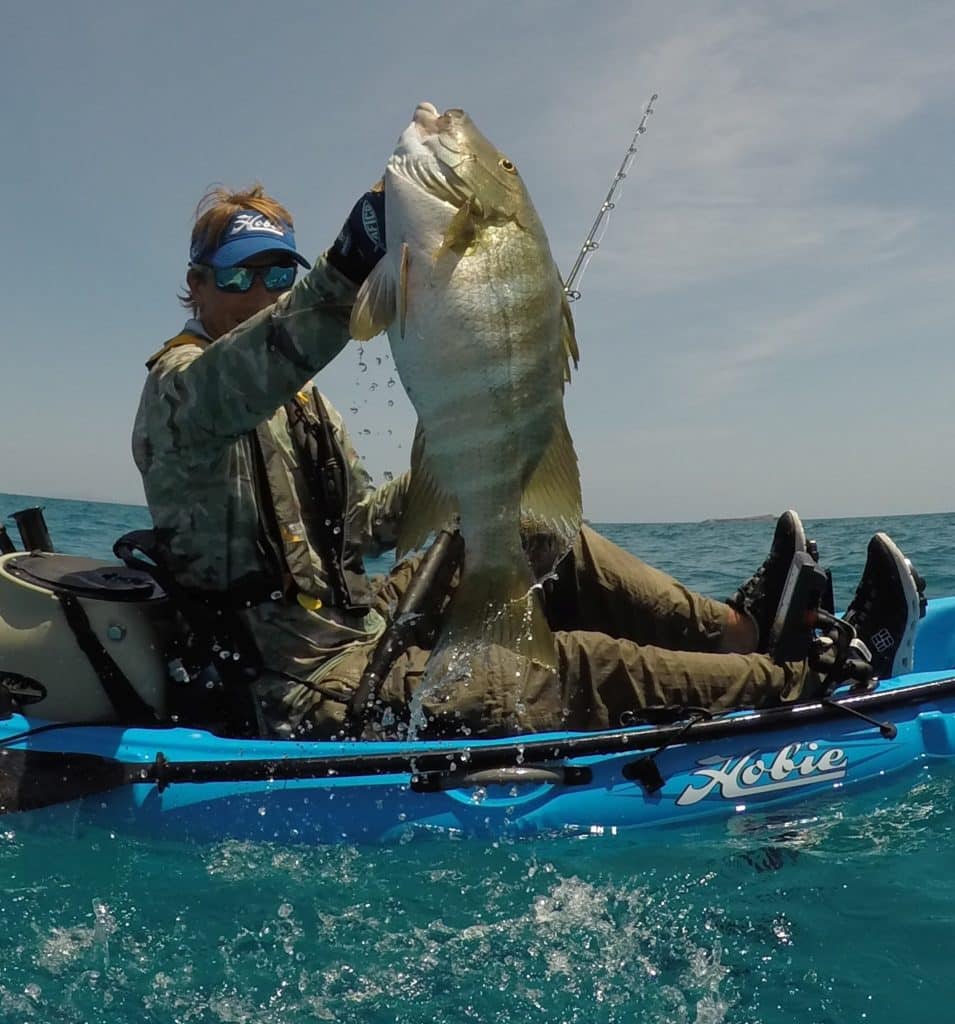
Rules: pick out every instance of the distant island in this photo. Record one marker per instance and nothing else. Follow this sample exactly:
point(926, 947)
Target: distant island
point(768, 518)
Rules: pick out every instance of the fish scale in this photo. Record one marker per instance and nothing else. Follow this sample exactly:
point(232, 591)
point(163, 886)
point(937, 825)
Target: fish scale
point(481, 336)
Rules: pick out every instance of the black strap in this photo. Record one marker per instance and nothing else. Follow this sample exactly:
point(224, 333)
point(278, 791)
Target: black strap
point(269, 538)
point(325, 477)
point(127, 703)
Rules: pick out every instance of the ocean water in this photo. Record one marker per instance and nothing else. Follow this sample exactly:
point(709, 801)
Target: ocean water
point(835, 913)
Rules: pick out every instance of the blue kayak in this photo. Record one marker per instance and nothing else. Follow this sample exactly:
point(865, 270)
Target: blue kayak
point(187, 783)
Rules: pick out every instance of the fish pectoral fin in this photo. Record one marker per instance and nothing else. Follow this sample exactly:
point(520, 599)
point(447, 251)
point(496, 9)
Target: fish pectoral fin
point(375, 307)
point(460, 232)
point(403, 287)
point(500, 606)
point(568, 337)
point(427, 508)
point(551, 501)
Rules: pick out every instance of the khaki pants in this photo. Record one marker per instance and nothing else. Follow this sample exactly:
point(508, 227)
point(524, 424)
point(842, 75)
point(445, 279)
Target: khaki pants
point(628, 637)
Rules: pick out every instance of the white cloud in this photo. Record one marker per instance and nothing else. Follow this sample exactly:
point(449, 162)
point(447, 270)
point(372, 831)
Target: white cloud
point(763, 123)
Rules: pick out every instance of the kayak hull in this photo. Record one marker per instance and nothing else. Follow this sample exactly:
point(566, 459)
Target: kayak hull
point(630, 779)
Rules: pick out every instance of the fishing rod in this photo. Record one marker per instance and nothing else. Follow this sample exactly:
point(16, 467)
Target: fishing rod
point(592, 242)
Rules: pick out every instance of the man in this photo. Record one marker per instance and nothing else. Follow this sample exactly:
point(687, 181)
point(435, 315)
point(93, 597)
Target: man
point(263, 511)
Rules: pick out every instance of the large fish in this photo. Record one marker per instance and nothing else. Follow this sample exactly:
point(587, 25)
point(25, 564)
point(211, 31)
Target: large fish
point(482, 338)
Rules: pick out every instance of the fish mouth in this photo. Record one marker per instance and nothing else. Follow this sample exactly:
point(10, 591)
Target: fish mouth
point(423, 156)
point(426, 118)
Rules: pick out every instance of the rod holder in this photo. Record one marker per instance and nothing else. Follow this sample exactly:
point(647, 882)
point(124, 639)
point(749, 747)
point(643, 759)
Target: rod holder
point(33, 530)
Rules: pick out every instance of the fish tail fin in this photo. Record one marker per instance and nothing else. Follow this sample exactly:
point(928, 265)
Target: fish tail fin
point(500, 605)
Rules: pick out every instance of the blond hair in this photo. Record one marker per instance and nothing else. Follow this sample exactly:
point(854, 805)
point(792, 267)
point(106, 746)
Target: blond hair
point(213, 213)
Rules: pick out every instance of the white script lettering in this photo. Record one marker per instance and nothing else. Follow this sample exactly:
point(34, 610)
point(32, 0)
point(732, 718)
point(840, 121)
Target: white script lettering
point(750, 775)
point(254, 222)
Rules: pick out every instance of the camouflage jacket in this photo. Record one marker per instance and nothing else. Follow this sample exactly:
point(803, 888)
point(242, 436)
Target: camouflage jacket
point(204, 410)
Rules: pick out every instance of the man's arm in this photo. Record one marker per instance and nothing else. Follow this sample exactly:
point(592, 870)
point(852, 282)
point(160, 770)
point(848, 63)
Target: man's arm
point(373, 512)
point(378, 515)
point(241, 379)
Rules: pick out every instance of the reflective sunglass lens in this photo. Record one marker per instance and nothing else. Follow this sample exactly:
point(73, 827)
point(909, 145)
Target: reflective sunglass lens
point(278, 279)
point(239, 279)
point(234, 279)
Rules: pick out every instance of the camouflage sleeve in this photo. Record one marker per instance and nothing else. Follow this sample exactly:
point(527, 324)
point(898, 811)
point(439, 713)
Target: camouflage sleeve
point(241, 380)
point(374, 513)
point(380, 513)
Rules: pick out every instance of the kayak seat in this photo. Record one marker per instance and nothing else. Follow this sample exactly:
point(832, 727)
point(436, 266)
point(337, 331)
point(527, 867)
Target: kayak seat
point(212, 688)
point(85, 577)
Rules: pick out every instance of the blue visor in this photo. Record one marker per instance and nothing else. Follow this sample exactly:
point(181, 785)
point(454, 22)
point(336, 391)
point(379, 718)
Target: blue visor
point(248, 234)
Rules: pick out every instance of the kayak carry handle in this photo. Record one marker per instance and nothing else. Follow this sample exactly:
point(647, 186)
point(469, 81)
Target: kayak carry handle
point(507, 775)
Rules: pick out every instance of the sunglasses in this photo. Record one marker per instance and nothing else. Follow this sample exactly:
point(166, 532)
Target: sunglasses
point(240, 279)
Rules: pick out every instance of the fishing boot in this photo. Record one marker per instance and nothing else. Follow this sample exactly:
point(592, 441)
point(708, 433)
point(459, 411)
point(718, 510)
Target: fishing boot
point(887, 606)
point(761, 595)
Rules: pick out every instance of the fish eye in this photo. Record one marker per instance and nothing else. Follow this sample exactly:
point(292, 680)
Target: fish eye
point(507, 165)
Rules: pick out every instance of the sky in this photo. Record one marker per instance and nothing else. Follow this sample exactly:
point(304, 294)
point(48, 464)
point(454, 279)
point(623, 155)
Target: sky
point(768, 320)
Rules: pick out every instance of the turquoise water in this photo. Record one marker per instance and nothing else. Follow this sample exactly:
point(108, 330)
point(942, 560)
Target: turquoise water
point(839, 912)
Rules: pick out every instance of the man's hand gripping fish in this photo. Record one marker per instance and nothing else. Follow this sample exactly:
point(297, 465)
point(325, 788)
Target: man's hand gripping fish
point(482, 337)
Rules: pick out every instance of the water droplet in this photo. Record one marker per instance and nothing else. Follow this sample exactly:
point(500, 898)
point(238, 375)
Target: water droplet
point(261, 812)
point(353, 409)
point(391, 382)
point(388, 475)
point(391, 401)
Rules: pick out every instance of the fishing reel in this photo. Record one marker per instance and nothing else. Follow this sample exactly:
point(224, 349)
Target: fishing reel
point(806, 627)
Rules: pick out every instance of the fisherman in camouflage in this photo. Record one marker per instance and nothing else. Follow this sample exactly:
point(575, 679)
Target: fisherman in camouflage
point(243, 523)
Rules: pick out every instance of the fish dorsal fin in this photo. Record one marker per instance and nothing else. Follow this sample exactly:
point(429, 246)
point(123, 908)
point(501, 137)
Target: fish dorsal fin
point(551, 501)
point(376, 305)
point(568, 337)
point(426, 507)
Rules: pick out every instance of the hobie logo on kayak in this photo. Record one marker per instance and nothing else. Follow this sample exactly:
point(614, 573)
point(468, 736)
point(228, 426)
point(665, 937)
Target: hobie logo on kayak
point(796, 764)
